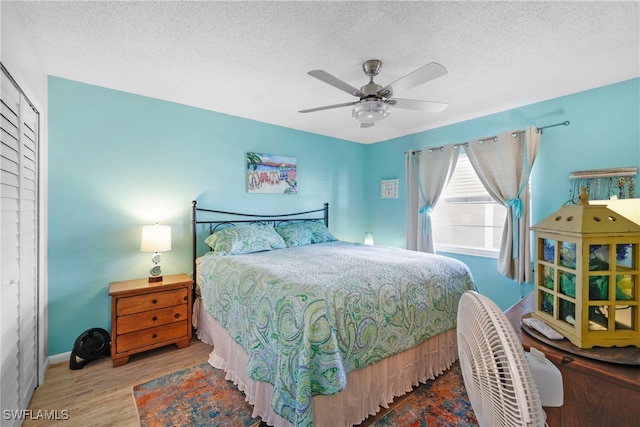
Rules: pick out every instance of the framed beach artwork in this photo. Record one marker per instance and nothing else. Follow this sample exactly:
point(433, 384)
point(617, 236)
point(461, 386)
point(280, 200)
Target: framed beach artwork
point(271, 174)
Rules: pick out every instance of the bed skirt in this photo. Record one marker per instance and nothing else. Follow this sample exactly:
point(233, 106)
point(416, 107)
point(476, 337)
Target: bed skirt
point(368, 389)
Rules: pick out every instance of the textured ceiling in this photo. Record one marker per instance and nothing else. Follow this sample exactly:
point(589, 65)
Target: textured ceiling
point(250, 59)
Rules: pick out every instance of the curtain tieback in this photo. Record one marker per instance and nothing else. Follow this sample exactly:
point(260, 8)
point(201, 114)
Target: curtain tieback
point(425, 211)
point(516, 206)
point(516, 209)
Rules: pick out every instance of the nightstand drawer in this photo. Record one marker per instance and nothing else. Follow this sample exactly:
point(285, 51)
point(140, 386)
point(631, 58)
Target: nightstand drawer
point(151, 301)
point(152, 336)
point(149, 319)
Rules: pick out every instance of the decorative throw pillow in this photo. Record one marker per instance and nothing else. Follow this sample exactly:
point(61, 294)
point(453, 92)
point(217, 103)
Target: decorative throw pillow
point(245, 239)
point(320, 233)
point(295, 234)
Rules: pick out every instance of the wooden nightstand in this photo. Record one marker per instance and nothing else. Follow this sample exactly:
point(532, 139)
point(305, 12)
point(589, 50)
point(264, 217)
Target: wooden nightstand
point(147, 315)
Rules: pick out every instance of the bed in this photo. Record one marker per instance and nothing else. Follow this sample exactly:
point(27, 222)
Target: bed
point(314, 330)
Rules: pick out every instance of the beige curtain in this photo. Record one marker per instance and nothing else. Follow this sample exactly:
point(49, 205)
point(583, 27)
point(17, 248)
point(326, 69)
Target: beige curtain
point(503, 164)
point(427, 173)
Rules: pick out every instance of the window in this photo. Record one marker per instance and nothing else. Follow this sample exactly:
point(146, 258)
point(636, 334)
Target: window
point(466, 220)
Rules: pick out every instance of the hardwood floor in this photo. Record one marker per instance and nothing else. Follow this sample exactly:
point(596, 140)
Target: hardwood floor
point(99, 394)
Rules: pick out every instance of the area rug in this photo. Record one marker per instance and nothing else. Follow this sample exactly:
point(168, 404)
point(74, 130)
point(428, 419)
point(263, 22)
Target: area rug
point(196, 396)
point(442, 402)
point(200, 396)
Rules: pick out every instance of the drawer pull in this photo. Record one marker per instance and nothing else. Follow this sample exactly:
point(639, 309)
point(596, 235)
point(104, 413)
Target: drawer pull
point(177, 315)
point(154, 301)
point(184, 298)
point(154, 318)
point(154, 336)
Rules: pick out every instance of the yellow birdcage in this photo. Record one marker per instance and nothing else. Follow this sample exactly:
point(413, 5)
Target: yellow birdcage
point(587, 275)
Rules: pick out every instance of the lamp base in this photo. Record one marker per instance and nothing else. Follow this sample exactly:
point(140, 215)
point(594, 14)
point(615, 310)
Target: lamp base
point(155, 279)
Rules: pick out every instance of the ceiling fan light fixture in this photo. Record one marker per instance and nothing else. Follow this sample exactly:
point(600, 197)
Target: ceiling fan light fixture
point(374, 101)
point(370, 111)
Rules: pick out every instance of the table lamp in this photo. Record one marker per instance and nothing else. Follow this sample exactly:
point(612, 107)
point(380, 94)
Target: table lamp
point(368, 238)
point(156, 239)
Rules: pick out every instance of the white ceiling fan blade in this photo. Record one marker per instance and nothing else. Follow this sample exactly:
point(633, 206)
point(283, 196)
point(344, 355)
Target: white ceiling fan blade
point(415, 104)
point(336, 82)
point(327, 107)
point(422, 75)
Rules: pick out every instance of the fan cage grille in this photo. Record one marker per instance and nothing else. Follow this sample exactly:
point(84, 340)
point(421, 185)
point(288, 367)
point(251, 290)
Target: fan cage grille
point(495, 370)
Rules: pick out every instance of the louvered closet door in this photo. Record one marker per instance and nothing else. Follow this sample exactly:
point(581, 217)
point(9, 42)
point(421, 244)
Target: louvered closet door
point(19, 250)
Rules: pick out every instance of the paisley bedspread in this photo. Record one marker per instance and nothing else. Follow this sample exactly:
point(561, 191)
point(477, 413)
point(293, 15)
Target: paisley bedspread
point(309, 315)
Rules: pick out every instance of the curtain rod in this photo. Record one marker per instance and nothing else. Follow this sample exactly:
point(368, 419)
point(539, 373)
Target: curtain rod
point(514, 134)
point(565, 123)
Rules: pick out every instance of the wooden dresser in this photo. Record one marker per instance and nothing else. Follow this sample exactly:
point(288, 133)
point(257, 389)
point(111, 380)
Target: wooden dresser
point(146, 315)
point(595, 393)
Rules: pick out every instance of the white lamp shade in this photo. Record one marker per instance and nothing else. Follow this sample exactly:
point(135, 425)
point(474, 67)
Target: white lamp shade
point(628, 208)
point(368, 238)
point(155, 238)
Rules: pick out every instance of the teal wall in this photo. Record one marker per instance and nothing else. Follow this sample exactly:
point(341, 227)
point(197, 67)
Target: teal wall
point(604, 133)
point(118, 161)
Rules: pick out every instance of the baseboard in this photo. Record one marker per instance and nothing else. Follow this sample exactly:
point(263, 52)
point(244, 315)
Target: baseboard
point(59, 358)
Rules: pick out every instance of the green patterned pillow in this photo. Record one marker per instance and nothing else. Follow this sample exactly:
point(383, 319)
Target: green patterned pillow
point(245, 239)
point(295, 234)
point(320, 233)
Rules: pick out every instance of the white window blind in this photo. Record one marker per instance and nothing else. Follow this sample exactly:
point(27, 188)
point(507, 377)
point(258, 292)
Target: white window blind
point(466, 219)
point(464, 186)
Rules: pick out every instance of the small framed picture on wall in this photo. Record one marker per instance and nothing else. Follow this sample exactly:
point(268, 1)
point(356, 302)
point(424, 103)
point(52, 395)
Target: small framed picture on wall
point(389, 189)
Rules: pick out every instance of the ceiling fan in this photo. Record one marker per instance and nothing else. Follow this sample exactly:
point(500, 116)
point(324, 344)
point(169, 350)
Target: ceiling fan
point(375, 100)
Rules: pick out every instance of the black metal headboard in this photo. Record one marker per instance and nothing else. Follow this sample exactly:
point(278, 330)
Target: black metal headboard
point(214, 219)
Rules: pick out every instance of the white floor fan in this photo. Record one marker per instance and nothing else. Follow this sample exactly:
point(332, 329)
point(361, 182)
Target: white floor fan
point(506, 385)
